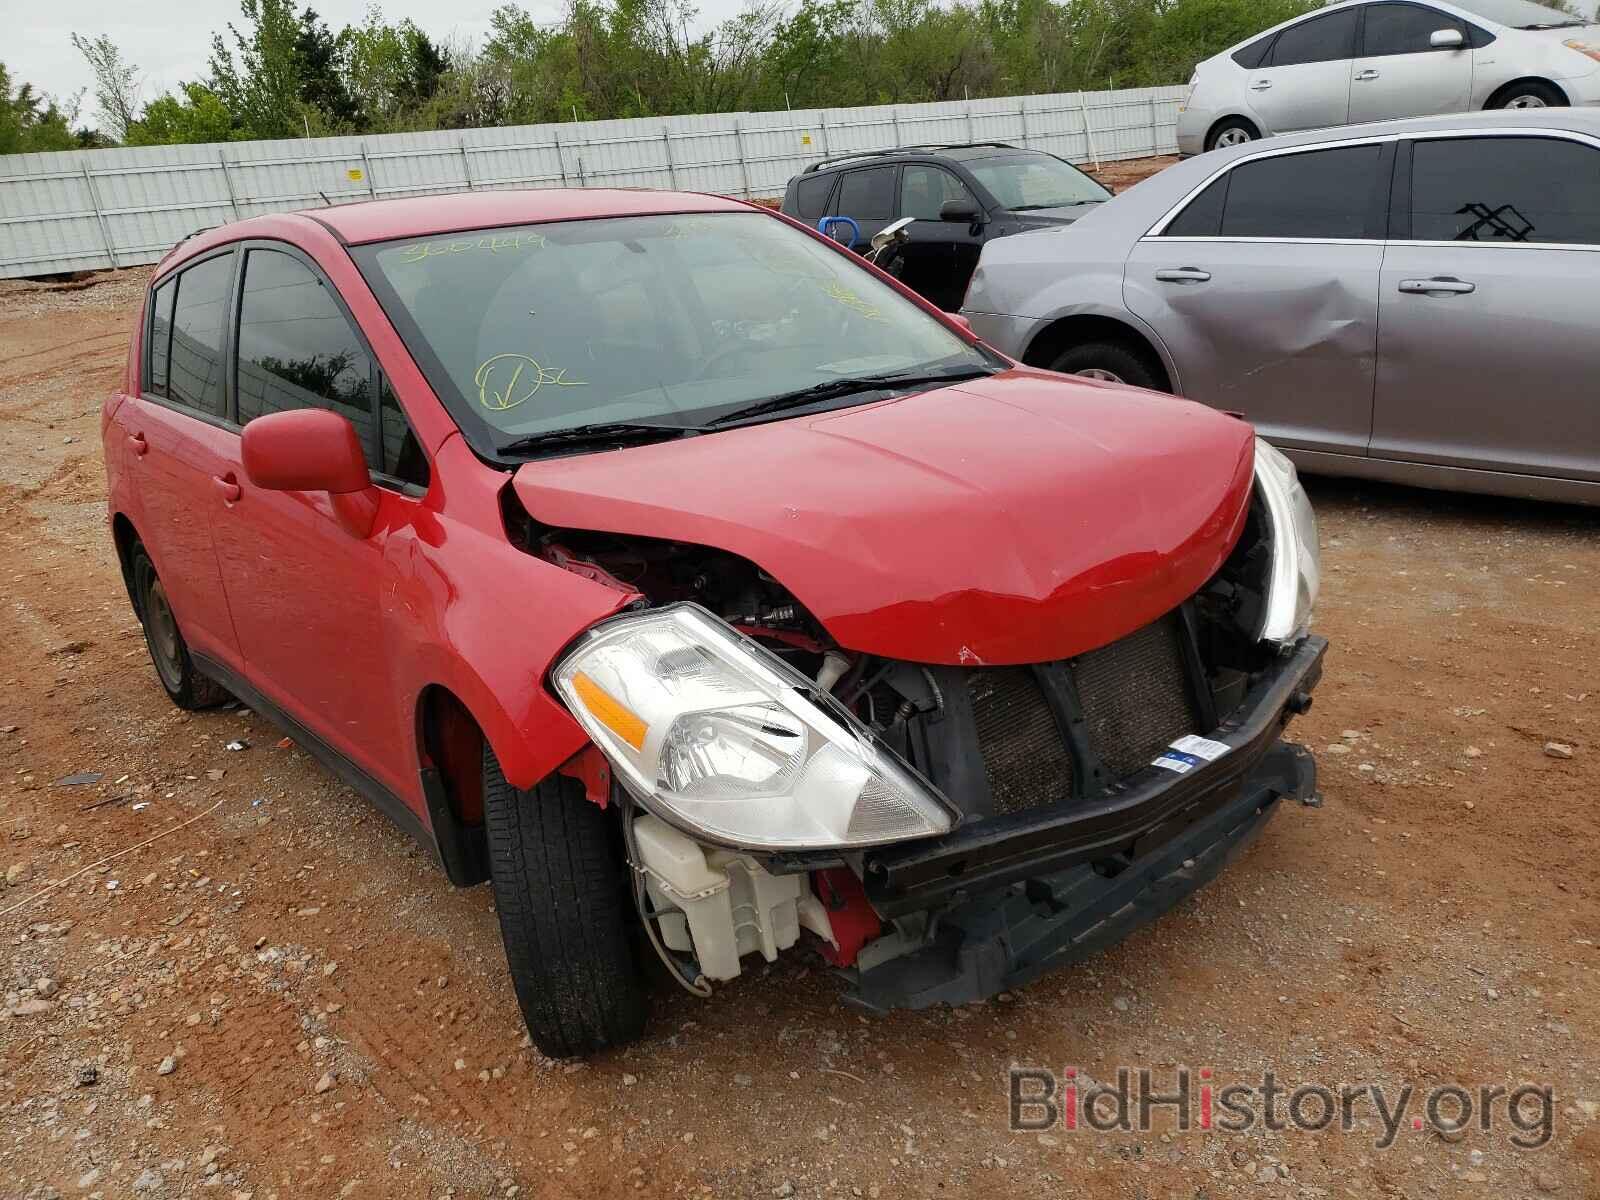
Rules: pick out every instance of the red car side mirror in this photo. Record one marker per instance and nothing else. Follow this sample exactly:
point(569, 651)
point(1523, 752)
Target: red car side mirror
point(305, 450)
point(313, 450)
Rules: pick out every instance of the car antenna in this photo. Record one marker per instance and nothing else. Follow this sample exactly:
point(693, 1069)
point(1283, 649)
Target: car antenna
point(326, 203)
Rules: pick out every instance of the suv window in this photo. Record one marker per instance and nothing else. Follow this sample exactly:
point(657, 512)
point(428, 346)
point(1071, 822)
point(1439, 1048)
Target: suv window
point(1321, 39)
point(924, 189)
point(867, 195)
point(1505, 189)
point(811, 196)
point(195, 374)
point(1403, 29)
point(159, 344)
point(1318, 194)
point(297, 350)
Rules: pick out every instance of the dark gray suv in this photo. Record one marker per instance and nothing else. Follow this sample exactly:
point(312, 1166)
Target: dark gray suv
point(961, 196)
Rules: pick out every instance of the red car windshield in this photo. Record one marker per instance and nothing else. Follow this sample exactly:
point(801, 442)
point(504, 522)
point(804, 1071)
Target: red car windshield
point(635, 319)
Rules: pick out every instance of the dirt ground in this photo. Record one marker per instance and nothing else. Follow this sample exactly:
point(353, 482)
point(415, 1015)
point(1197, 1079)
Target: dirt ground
point(280, 997)
point(1119, 176)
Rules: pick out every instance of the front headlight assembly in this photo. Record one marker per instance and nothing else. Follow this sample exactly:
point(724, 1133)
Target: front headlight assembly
point(1296, 570)
point(717, 736)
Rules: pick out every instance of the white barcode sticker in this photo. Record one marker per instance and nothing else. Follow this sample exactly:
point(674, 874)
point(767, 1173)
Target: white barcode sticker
point(1189, 752)
point(1201, 747)
point(1172, 760)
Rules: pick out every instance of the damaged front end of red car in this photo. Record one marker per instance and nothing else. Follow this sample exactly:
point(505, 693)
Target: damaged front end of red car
point(964, 714)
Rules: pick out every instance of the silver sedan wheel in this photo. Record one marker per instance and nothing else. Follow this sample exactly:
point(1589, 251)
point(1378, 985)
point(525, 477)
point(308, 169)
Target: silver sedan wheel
point(1526, 100)
point(1100, 373)
point(1233, 136)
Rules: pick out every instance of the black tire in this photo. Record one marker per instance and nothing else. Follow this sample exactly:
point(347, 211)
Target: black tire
point(565, 914)
point(1233, 131)
point(1117, 361)
point(1528, 93)
point(180, 678)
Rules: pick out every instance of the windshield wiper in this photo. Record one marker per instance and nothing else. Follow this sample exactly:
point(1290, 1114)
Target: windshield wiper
point(848, 386)
point(610, 431)
point(1554, 25)
point(1063, 204)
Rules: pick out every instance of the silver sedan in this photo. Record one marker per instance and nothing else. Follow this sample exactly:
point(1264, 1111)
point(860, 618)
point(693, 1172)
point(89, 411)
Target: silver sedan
point(1355, 62)
point(1410, 301)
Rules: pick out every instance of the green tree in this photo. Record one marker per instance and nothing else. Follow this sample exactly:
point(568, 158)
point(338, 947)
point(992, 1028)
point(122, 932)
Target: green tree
point(198, 115)
point(30, 121)
point(261, 87)
point(393, 70)
point(116, 83)
point(322, 63)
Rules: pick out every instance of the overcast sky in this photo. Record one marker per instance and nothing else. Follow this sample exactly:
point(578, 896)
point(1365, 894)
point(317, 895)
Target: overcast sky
point(171, 42)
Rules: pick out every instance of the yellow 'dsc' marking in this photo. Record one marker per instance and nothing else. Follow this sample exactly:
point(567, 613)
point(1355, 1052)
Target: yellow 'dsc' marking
point(517, 389)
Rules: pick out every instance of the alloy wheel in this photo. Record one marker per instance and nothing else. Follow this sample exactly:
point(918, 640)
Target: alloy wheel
point(1234, 136)
point(1100, 373)
point(1526, 100)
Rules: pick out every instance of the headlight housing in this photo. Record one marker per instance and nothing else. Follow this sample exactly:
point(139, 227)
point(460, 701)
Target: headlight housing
point(1296, 571)
point(719, 737)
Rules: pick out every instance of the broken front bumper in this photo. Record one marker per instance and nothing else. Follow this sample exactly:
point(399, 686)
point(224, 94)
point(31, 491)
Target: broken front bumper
point(1017, 896)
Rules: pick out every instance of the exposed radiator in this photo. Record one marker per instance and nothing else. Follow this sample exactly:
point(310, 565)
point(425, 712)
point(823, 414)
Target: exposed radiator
point(1027, 761)
point(1135, 696)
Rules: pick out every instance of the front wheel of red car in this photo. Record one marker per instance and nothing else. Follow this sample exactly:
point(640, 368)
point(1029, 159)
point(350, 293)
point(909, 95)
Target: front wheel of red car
point(565, 914)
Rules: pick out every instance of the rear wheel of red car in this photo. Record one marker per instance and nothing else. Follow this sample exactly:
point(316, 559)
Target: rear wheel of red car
point(184, 684)
point(565, 914)
point(1114, 362)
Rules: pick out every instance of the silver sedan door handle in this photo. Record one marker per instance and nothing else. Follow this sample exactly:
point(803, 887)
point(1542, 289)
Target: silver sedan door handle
point(1439, 285)
point(1368, 74)
point(1183, 275)
point(1261, 85)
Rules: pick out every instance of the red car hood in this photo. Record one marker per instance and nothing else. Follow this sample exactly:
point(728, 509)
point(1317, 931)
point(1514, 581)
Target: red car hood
point(1020, 518)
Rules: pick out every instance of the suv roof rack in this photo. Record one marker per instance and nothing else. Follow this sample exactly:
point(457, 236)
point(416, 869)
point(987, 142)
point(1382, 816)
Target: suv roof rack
point(921, 148)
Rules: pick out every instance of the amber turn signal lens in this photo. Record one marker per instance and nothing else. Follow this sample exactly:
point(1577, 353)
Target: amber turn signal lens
point(609, 711)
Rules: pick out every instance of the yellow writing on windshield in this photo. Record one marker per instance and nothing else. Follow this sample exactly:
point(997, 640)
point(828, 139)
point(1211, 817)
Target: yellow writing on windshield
point(685, 227)
point(519, 379)
point(494, 243)
point(835, 290)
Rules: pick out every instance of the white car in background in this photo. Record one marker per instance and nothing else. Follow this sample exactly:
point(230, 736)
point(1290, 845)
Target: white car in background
point(1356, 62)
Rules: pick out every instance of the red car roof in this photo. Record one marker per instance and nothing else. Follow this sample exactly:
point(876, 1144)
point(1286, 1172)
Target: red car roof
point(425, 216)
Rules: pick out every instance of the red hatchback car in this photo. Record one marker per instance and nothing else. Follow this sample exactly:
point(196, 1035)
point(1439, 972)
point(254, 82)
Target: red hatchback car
point(661, 562)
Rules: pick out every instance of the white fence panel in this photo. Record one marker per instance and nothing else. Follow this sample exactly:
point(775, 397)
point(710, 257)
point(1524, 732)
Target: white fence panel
point(88, 209)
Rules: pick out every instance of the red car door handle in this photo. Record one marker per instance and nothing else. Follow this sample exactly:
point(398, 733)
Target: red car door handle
point(138, 444)
point(228, 486)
